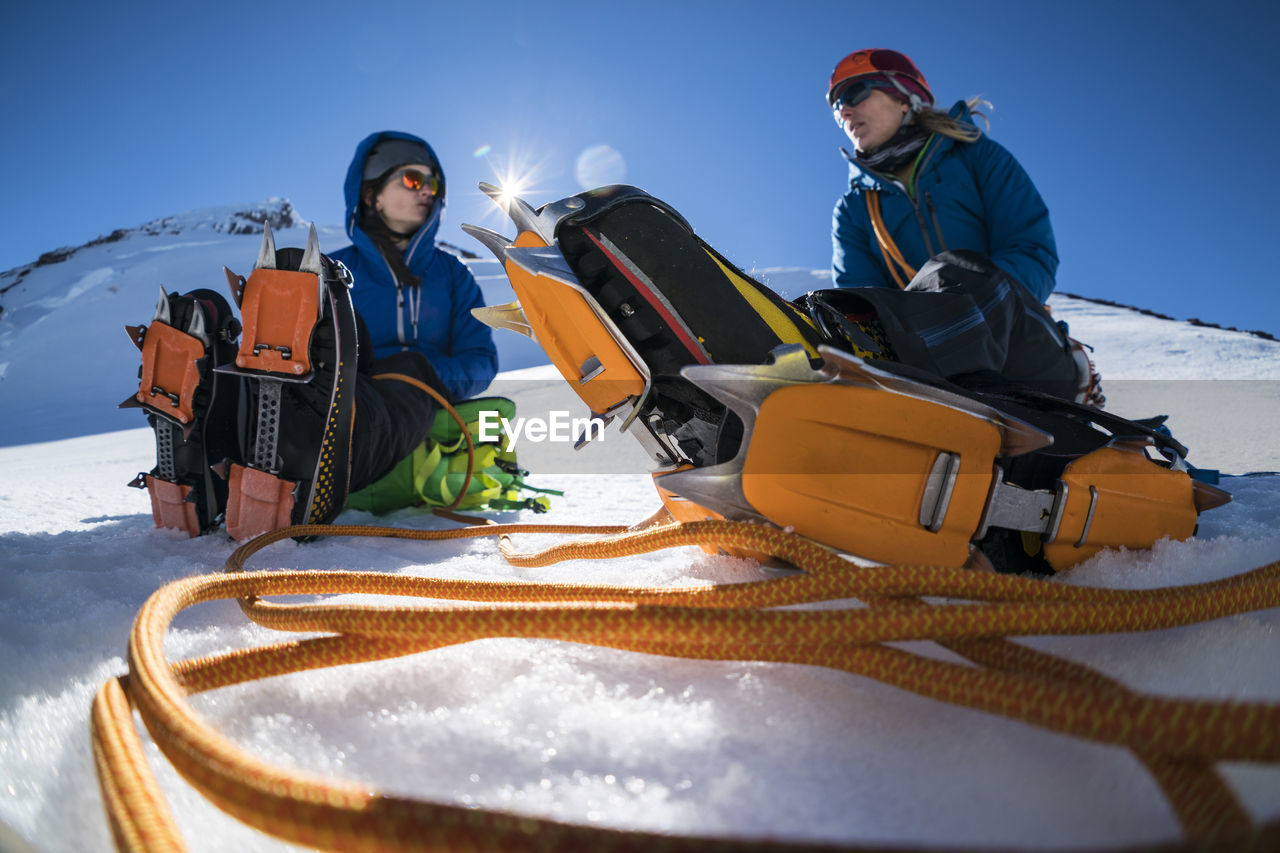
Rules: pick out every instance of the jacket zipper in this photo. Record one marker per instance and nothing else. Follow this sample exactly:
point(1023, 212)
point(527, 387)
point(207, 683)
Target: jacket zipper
point(400, 307)
point(907, 189)
point(414, 303)
point(924, 228)
point(933, 214)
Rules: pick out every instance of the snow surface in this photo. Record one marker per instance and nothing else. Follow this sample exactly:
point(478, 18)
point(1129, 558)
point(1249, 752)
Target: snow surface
point(569, 731)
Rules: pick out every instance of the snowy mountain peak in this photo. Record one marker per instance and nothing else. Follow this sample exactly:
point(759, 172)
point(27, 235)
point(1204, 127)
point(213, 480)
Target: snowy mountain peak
point(279, 213)
point(59, 275)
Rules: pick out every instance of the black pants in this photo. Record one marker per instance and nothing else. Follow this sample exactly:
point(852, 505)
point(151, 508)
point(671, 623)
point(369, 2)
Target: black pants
point(392, 417)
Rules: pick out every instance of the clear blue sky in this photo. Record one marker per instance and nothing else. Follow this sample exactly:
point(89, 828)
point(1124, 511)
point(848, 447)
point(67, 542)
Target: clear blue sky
point(1148, 126)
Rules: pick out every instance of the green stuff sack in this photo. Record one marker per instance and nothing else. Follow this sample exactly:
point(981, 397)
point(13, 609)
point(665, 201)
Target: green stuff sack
point(432, 475)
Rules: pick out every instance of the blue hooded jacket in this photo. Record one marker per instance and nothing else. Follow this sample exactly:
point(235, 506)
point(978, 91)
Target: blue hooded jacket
point(963, 196)
point(458, 345)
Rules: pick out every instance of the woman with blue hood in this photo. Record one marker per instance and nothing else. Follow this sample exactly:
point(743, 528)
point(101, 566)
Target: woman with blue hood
point(412, 295)
point(413, 301)
point(283, 445)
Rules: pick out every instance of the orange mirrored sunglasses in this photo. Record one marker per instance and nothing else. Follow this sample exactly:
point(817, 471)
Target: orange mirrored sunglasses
point(416, 179)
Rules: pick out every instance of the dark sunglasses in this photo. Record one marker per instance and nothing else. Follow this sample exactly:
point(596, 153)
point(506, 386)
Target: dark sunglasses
point(413, 179)
point(853, 94)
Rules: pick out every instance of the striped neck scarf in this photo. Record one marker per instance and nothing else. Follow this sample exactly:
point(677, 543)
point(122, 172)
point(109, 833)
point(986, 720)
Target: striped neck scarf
point(900, 150)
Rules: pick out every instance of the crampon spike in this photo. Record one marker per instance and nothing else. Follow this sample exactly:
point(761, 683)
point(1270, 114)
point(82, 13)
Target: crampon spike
point(267, 254)
point(1208, 497)
point(311, 256)
point(495, 193)
point(162, 310)
point(545, 261)
point(236, 283)
point(520, 211)
point(510, 316)
point(196, 327)
point(492, 240)
point(137, 334)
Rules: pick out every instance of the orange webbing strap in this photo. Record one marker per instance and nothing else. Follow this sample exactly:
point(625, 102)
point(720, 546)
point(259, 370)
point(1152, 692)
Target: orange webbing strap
point(892, 256)
point(1179, 740)
point(453, 413)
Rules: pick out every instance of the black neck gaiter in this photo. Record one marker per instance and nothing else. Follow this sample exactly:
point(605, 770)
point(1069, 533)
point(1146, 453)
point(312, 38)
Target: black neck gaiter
point(384, 238)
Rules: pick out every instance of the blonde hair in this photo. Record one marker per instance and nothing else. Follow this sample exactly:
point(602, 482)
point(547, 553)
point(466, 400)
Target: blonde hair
point(941, 122)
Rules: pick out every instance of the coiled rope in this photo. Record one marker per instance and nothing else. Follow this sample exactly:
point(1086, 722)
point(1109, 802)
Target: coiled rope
point(1178, 740)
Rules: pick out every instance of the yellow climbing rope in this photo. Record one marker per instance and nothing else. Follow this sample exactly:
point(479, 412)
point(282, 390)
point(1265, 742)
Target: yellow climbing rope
point(1179, 741)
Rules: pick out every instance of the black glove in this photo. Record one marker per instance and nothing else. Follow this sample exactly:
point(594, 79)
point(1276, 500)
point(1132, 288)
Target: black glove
point(962, 266)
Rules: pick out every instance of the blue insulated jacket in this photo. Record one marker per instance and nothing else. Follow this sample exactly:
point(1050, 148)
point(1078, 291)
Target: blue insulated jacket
point(436, 319)
point(963, 196)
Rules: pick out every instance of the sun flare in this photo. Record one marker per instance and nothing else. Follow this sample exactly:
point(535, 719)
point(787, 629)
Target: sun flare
point(517, 177)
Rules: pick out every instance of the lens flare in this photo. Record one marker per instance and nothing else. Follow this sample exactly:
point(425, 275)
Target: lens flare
point(514, 184)
point(598, 166)
point(517, 177)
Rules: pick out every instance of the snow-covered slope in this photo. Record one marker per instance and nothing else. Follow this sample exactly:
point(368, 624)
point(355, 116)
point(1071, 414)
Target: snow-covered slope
point(65, 360)
point(568, 731)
